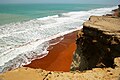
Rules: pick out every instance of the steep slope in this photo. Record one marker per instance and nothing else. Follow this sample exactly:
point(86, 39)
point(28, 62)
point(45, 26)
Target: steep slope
point(98, 43)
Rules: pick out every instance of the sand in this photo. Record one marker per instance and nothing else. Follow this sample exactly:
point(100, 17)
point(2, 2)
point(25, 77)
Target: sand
point(60, 55)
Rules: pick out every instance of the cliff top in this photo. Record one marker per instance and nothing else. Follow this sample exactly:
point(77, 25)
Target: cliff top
point(107, 25)
point(104, 23)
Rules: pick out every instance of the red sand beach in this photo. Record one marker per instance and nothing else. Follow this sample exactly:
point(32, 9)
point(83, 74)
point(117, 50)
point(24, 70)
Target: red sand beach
point(60, 55)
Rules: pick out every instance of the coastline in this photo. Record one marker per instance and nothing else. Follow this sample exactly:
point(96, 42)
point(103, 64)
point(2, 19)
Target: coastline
point(98, 44)
point(105, 73)
point(60, 55)
point(34, 30)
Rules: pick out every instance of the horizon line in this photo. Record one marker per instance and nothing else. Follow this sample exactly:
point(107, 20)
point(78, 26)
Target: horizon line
point(59, 3)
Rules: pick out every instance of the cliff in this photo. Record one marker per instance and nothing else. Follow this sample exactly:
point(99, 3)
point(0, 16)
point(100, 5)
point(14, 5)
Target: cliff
point(98, 44)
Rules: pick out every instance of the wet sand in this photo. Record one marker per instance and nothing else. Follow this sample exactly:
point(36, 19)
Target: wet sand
point(60, 55)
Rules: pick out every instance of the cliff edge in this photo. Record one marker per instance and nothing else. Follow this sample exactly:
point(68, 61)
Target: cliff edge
point(98, 43)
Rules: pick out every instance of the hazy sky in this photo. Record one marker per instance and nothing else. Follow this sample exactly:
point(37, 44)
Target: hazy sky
point(63, 1)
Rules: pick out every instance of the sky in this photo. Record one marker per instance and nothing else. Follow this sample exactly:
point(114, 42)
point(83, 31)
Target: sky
point(116, 2)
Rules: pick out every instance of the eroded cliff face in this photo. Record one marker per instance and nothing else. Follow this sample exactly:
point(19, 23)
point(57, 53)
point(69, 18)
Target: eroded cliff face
point(97, 44)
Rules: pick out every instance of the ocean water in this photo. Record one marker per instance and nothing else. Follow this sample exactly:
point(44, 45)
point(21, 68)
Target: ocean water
point(25, 29)
point(24, 12)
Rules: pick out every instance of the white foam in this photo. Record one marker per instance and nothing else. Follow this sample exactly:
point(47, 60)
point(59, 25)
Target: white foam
point(22, 42)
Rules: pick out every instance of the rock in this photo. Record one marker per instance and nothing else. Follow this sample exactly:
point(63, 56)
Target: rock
point(99, 44)
point(117, 61)
point(119, 7)
point(109, 15)
point(116, 12)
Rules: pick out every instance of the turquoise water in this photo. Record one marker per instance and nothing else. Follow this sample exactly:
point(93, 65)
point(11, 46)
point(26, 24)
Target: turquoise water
point(22, 12)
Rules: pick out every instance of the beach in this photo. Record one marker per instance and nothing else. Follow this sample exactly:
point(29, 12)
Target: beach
point(60, 55)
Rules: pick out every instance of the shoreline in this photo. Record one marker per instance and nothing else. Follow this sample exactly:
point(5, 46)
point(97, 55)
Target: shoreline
point(92, 51)
point(97, 54)
point(76, 14)
point(60, 53)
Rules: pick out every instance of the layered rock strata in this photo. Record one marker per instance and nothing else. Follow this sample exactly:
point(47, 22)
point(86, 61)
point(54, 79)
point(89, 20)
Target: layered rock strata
point(98, 43)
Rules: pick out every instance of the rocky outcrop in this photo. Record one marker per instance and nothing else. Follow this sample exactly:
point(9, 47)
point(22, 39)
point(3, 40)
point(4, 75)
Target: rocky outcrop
point(116, 12)
point(119, 10)
point(99, 43)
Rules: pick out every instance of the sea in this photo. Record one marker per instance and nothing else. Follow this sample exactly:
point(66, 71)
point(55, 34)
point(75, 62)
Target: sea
point(26, 29)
